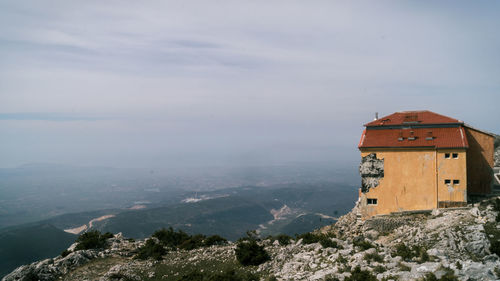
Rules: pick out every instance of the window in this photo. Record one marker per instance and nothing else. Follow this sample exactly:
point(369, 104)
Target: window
point(412, 136)
point(447, 181)
point(455, 155)
point(429, 136)
point(371, 201)
point(456, 181)
point(447, 155)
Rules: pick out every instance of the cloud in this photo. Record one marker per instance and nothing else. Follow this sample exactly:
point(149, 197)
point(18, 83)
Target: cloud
point(235, 78)
point(42, 116)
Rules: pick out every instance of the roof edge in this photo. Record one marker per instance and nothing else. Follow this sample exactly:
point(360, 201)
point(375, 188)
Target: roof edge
point(481, 131)
point(416, 125)
point(433, 147)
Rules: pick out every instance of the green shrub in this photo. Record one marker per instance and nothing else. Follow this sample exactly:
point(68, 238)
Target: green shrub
point(92, 240)
point(65, 253)
point(495, 247)
point(363, 244)
point(328, 243)
point(215, 240)
point(251, 253)
point(379, 269)
point(151, 250)
point(408, 253)
point(283, 239)
point(404, 251)
point(341, 259)
point(424, 257)
point(31, 276)
point(430, 277)
point(170, 238)
point(193, 242)
point(448, 276)
point(308, 238)
point(374, 257)
point(496, 205)
point(180, 239)
point(108, 235)
point(360, 275)
point(390, 278)
point(324, 240)
point(458, 265)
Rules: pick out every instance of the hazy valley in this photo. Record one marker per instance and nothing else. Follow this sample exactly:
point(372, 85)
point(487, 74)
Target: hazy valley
point(59, 202)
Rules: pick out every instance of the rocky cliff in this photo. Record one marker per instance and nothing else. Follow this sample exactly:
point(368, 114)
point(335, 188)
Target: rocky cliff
point(445, 244)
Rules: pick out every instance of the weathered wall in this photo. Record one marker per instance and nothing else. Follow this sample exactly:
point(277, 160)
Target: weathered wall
point(409, 182)
point(371, 171)
point(452, 169)
point(479, 161)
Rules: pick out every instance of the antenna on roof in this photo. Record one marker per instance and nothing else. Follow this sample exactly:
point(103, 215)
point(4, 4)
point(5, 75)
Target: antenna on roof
point(376, 116)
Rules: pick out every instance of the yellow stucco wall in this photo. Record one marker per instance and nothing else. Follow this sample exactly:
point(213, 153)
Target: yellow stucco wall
point(452, 169)
point(412, 182)
point(479, 161)
point(409, 182)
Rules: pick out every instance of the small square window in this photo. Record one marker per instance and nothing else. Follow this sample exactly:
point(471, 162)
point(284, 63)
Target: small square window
point(447, 181)
point(447, 155)
point(455, 155)
point(456, 181)
point(371, 201)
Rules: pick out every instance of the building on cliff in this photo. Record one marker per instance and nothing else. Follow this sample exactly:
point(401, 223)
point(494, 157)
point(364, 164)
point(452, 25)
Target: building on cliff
point(421, 160)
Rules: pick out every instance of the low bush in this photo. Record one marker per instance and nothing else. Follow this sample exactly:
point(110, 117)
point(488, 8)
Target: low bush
point(251, 253)
point(192, 242)
point(151, 250)
point(363, 244)
point(379, 269)
point(373, 257)
point(283, 239)
point(415, 251)
point(403, 251)
point(495, 247)
point(308, 238)
point(214, 240)
point(92, 240)
point(324, 240)
point(170, 238)
point(180, 239)
point(328, 243)
point(65, 253)
point(448, 276)
point(360, 275)
point(496, 205)
point(31, 276)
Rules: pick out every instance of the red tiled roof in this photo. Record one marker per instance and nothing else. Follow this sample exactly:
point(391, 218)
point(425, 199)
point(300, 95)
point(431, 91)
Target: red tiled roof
point(412, 117)
point(441, 138)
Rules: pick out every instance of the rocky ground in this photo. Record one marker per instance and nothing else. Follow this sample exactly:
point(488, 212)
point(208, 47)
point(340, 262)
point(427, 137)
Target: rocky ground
point(451, 242)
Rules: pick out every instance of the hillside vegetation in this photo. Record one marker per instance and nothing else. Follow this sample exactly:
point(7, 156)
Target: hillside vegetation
point(447, 244)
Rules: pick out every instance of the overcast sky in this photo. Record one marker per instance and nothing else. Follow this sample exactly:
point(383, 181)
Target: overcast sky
point(160, 83)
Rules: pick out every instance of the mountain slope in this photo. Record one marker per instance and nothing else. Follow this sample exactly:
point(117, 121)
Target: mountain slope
point(28, 244)
point(447, 244)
